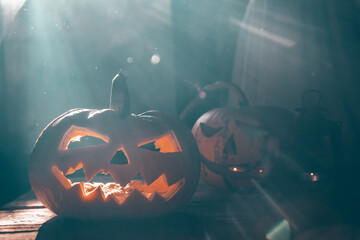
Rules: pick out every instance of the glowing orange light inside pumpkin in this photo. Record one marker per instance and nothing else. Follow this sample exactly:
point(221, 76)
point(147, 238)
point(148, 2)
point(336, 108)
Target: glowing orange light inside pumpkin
point(75, 133)
point(236, 169)
point(166, 143)
point(118, 192)
point(144, 171)
point(260, 170)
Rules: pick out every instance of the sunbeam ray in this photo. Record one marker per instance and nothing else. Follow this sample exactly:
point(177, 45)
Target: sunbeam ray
point(274, 204)
point(8, 11)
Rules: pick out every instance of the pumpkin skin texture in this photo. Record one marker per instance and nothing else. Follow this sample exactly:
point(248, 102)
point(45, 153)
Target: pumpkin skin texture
point(170, 169)
point(237, 144)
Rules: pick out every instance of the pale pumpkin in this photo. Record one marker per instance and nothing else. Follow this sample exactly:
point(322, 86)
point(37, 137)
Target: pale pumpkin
point(238, 145)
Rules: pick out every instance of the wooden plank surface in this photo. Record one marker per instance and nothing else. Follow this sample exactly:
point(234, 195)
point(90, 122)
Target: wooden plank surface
point(209, 215)
point(204, 216)
point(27, 200)
point(21, 218)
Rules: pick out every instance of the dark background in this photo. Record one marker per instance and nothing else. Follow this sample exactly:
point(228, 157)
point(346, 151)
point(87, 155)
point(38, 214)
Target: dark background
point(58, 55)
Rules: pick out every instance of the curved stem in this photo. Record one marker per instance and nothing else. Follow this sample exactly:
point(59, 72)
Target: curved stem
point(240, 95)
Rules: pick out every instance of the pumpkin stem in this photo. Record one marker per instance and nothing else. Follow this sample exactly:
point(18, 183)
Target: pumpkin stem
point(119, 96)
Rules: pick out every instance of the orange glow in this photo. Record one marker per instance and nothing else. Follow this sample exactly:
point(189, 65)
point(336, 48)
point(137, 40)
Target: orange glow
point(167, 143)
point(116, 191)
point(237, 169)
point(72, 170)
point(314, 177)
point(260, 170)
point(75, 133)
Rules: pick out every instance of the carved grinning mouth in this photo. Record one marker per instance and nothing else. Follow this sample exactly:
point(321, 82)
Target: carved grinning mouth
point(114, 190)
point(161, 181)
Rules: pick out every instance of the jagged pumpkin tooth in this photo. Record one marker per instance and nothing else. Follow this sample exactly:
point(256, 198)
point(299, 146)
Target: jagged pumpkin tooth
point(135, 197)
point(90, 172)
point(148, 195)
point(158, 199)
point(174, 172)
point(172, 178)
point(119, 198)
point(68, 163)
point(150, 175)
point(122, 174)
point(92, 195)
point(76, 191)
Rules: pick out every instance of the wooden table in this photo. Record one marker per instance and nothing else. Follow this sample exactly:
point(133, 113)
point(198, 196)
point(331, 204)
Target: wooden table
point(209, 215)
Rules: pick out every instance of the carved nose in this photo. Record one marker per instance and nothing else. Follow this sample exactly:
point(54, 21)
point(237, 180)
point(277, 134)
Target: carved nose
point(119, 158)
point(230, 147)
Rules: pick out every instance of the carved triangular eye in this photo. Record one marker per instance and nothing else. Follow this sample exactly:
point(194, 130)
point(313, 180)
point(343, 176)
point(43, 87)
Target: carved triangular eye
point(78, 137)
point(166, 143)
point(209, 131)
point(84, 141)
point(150, 146)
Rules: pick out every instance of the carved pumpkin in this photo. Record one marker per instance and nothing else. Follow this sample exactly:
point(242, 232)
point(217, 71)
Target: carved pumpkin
point(238, 144)
point(152, 145)
point(235, 145)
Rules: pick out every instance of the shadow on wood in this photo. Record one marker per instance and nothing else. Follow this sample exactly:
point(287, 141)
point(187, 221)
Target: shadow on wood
point(174, 226)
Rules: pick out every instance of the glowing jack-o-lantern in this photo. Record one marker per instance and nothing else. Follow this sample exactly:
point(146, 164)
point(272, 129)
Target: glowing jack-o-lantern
point(234, 146)
point(238, 144)
point(151, 158)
